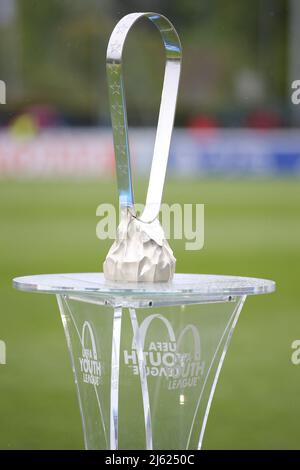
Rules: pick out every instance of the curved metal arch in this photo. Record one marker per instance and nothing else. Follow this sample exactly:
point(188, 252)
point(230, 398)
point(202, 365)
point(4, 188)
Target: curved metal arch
point(166, 113)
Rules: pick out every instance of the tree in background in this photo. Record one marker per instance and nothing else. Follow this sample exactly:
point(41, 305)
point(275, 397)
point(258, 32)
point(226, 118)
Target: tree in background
point(53, 52)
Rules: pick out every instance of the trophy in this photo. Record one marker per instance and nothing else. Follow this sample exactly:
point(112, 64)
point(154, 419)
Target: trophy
point(146, 344)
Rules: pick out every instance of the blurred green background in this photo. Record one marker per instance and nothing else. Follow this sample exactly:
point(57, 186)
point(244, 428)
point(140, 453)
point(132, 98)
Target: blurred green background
point(239, 61)
point(252, 228)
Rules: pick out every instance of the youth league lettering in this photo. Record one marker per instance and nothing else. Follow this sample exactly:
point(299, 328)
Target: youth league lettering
point(180, 367)
point(90, 365)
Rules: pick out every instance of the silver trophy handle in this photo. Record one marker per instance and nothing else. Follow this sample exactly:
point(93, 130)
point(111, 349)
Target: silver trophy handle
point(166, 113)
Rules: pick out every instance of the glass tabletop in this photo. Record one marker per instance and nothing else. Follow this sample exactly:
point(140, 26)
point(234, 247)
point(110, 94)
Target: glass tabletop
point(183, 286)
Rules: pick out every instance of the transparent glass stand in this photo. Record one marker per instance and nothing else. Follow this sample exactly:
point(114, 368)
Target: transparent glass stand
point(146, 357)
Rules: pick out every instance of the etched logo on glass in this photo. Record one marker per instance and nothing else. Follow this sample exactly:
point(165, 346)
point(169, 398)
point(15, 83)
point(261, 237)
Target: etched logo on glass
point(90, 365)
point(177, 360)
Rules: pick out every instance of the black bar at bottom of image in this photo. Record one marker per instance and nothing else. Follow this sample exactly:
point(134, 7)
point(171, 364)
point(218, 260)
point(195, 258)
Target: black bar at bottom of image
point(151, 459)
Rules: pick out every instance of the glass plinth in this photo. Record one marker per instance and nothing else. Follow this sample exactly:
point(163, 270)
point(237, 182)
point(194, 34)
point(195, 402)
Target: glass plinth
point(146, 357)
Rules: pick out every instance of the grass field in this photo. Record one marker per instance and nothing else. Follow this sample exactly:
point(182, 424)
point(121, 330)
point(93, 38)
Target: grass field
point(252, 227)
